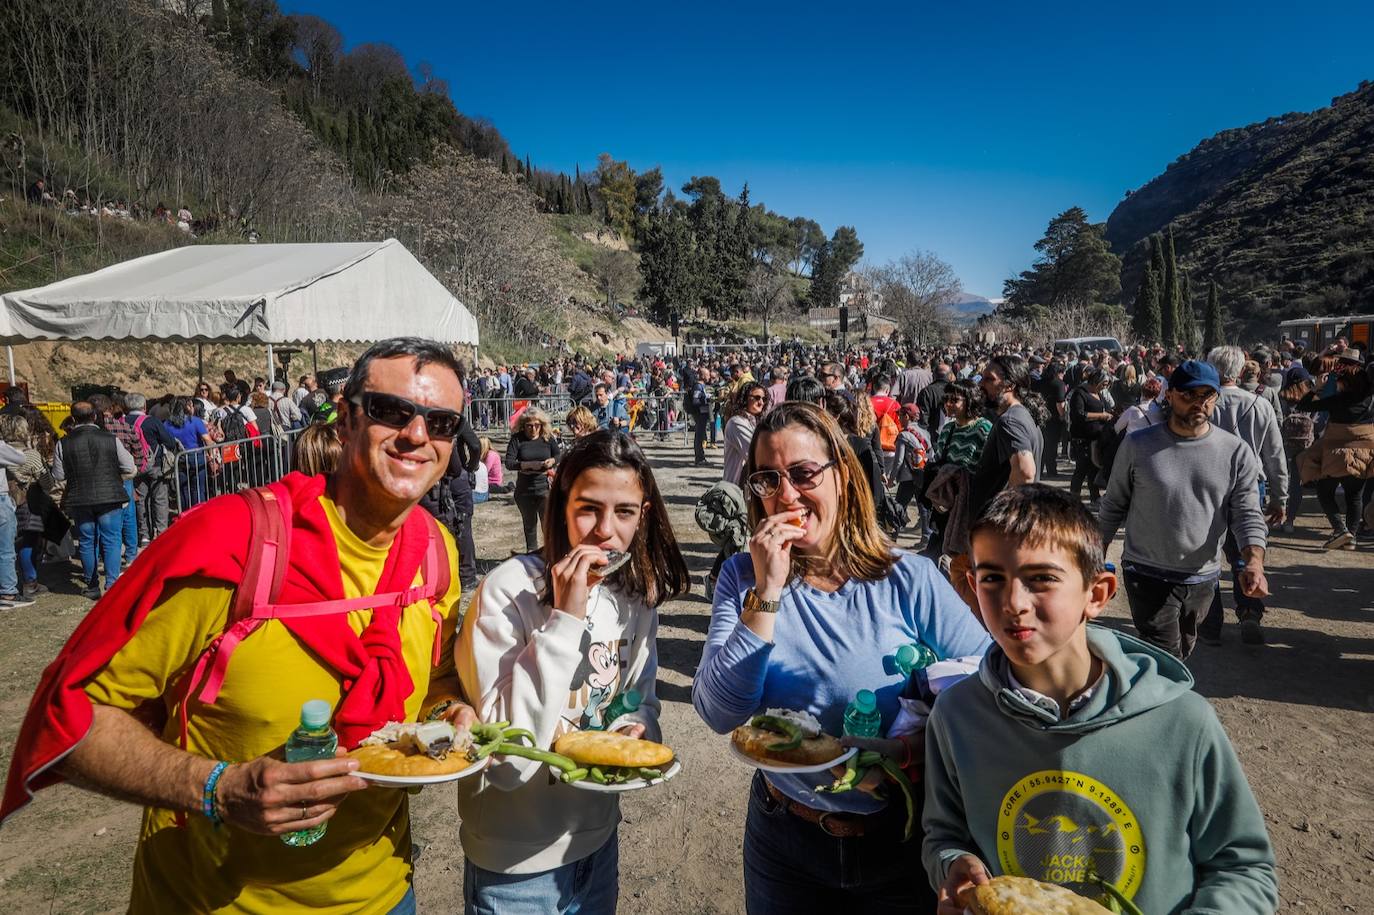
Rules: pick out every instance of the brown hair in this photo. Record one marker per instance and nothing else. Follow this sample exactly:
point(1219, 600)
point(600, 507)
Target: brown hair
point(317, 450)
point(859, 549)
point(1038, 515)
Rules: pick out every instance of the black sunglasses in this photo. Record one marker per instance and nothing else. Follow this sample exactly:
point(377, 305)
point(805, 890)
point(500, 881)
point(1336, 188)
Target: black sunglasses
point(805, 476)
point(397, 412)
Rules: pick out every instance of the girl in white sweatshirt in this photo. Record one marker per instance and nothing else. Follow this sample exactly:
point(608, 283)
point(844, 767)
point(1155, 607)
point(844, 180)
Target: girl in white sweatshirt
point(547, 645)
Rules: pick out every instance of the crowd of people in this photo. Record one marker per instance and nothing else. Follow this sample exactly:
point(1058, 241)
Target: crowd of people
point(74, 202)
point(871, 502)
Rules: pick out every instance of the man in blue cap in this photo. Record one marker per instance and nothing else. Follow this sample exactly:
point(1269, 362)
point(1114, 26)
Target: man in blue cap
point(1177, 487)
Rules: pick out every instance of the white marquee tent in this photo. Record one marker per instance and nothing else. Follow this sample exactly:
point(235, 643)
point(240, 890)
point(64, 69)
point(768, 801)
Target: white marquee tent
point(352, 292)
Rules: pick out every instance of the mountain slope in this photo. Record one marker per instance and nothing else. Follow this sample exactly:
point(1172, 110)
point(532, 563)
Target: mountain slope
point(1280, 214)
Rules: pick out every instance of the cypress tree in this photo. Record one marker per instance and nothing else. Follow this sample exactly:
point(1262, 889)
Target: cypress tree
point(1146, 323)
point(529, 170)
point(1214, 323)
point(1187, 321)
point(1169, 297)
point(505, 164)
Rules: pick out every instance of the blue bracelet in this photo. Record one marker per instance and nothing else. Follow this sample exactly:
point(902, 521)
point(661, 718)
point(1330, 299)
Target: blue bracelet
point(207, 796)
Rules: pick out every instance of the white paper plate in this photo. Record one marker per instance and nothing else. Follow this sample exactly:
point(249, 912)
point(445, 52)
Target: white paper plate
point(406, 781)
point(789, 768)
point(587, 784)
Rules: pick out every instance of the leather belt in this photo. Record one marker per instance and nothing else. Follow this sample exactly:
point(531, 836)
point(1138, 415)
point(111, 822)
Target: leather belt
point(830, 822)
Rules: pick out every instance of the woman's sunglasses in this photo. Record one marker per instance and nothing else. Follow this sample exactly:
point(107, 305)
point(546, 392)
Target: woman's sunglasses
point(805, 476)
point(397, 412)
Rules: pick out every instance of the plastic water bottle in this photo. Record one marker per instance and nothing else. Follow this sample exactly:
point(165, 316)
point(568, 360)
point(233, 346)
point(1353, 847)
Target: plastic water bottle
point(314, 739)
point(627, 701)
point(914, 657)
point(861, 717)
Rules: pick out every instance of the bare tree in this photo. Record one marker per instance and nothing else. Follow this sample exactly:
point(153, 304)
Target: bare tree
point(317, 48)
point(917, 289)
point(616, 274)
point(770, 291)
point(480, 233)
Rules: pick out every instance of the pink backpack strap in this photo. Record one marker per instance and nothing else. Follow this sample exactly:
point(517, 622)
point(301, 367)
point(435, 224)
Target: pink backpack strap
point(437, 577)
point(268, 546)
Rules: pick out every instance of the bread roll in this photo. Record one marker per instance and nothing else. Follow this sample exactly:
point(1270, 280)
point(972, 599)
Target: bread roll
point(1024, 896)
point(608, 748)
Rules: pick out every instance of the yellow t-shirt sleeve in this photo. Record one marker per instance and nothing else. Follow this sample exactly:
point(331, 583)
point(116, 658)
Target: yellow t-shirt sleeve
point(171, 638)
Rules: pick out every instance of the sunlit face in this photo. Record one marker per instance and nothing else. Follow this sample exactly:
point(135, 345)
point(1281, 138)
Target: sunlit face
point(399, 465)
point(789, 447)
point(603, 397)
point(757, 399)
point(1033, 599)
point(605, 507)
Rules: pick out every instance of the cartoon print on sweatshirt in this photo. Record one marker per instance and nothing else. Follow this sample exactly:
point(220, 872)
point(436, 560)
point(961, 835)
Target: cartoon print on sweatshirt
point(594, 682)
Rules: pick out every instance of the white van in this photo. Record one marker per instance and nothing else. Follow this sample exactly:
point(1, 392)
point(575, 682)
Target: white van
point(1076, 345)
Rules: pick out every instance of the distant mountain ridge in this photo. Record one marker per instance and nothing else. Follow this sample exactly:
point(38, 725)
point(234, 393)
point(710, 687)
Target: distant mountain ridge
point(1280, 214)
point(968, 307)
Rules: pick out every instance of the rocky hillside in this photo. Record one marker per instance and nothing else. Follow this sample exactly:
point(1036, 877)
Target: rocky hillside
point(1280, 213)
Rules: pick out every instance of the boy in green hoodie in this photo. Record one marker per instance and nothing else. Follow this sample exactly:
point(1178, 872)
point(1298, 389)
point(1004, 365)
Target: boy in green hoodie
point(1078, 755)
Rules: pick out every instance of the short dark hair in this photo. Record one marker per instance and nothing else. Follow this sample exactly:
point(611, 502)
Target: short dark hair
point(1039, 515)
point(83, 412)
point(805, 388)
point(424, 352)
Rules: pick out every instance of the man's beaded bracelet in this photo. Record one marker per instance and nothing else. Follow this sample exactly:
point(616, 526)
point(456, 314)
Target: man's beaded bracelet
point(207, 795)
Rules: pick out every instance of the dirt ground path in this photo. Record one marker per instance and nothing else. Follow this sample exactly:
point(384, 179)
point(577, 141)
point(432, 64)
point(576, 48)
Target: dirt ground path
point(1300, 712)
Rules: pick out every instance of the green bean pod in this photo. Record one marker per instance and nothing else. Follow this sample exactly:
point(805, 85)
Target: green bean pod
point(908, 790)
point(554, 760)
point(596, 775)
point(1116, 899)
point(514, 734)
point(573, 775)
point(650, 774)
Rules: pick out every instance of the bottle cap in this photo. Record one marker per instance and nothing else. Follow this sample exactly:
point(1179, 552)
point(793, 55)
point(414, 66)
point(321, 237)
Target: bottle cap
point(865, 701)
point(630, 699)
point(315, 714)
point(906, 656)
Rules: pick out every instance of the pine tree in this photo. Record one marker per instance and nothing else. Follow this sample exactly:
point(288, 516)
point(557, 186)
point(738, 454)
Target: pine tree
point(1169, 296)
point(1214, 323)
point(1146, 323)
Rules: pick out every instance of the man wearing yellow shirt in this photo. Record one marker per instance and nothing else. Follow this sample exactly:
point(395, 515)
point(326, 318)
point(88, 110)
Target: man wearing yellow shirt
point(212, 844)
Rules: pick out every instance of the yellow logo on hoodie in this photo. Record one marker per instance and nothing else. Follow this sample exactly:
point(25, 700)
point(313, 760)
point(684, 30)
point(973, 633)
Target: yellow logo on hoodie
point(1061, 826)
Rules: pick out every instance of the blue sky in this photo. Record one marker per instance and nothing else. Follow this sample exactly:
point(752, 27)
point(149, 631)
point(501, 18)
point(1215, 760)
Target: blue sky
point(959, 128)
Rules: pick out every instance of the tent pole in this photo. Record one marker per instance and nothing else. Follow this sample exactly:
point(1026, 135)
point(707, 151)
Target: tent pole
point(9, 354)
point(200, 362)
point(271, 368)
point(314, 358)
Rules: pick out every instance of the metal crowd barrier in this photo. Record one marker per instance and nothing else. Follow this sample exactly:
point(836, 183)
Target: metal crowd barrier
point(203, 473)
point(493, 414)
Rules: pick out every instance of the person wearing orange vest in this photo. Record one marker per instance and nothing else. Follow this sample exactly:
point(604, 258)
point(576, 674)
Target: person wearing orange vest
point(360, 610)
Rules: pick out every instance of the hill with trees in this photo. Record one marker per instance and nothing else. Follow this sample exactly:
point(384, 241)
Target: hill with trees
point(264, 125)
point(1278, 215)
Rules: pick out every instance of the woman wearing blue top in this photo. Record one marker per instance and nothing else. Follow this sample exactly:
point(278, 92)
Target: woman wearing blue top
point(190, 433)
point(813, 613)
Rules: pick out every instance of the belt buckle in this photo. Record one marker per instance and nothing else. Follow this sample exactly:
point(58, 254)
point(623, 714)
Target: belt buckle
point(825, 827)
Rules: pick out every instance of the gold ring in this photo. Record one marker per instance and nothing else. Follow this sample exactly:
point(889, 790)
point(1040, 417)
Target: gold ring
point(305, 813)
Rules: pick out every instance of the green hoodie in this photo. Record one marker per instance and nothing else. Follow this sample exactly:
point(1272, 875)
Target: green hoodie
point(1139, 785)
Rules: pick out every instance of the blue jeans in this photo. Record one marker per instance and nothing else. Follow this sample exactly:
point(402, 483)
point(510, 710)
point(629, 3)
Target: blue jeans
point(129, 524)
point(99, 526)
point(479, 497)
point(9, 530)
point(587, 887)
point(793, 867)
point(407, 904)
